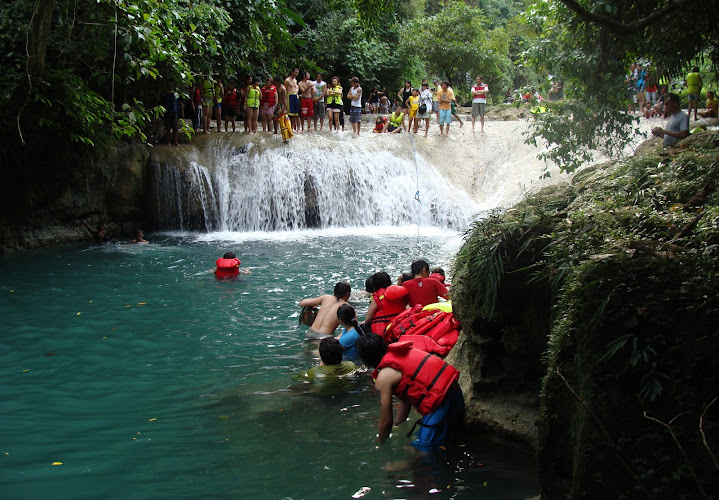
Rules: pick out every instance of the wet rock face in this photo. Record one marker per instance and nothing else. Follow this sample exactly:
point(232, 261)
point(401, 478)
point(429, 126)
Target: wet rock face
point(312, 210)
point(500, 361)
point(104, 189)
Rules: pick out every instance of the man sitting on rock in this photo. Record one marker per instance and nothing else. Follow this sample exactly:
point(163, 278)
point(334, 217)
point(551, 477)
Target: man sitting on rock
point(678, 124)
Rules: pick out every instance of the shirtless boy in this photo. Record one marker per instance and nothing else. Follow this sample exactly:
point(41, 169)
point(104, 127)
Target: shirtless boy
point(293, 100)
point(326, 321)
point(307, 104)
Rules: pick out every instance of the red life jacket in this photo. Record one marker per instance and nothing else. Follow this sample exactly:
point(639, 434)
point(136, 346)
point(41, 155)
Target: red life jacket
point(268, 95)
point(227, 267)
point(425, 377)
point(231, 98)
point(197, 97)
point(390, 302)
point(403, 322)
point(426, 344)
point(449, 339)
point(438, 277)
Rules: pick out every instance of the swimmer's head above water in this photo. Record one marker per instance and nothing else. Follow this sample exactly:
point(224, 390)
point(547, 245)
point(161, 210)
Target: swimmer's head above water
point(330, 351)
point(342, 290)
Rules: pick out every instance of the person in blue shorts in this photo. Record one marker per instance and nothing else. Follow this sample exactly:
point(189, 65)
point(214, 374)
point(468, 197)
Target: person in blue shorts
point(445, 96)
point(418, 379)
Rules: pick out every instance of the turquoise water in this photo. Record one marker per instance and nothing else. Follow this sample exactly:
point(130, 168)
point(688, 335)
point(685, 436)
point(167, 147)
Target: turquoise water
point(147, 378)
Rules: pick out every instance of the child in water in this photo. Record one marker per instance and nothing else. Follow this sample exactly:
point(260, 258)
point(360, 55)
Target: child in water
point(333, 376)
point(348, 319)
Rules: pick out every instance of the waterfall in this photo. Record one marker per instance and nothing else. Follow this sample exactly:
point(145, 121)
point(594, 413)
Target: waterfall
point(258, 183)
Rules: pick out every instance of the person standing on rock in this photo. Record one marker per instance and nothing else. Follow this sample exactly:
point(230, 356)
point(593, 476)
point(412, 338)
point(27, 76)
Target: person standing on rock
point(354, 94)
point(172, 107)
point(319, 101)
point(307, 105)
point(293, 99)
point(425, 98)
point(445, 96)
point(479, 101)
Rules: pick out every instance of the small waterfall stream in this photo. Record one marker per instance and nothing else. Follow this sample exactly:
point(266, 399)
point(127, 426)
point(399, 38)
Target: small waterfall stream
point(258, 183)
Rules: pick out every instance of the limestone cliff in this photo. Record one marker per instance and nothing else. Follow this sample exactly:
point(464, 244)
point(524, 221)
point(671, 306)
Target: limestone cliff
point(106, 188)
point(604, 293)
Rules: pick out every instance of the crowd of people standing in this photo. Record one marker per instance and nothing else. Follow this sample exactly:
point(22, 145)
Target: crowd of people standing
point(308, 102)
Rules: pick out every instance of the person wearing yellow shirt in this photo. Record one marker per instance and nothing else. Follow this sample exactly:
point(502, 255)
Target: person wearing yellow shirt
point(445, 96)
point(413, 106)
point(712, 106)
point(694, 86)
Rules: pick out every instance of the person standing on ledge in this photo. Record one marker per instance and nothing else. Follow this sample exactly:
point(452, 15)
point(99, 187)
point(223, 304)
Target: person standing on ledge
point(678, 124)
point(354, 94)
point(479, 101)
point(445, 96)
point(326, 321)
point(293, 99)
point(694, 86)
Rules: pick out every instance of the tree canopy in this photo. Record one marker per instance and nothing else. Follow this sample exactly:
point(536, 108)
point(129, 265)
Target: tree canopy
point(590, 45)
point(92, 71)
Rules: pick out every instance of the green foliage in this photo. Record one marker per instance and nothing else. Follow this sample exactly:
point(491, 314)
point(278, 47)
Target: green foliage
point(456, 42)
point(503, 244)
point(343, 45)
point(593, 61)
point(259, 40)
point(626, 260)
point(579, 130)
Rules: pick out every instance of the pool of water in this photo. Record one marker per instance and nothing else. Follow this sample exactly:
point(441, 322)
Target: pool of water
point(147, 378)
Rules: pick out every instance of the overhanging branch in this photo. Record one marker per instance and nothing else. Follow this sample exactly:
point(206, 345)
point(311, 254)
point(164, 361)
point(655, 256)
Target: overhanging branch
point(614, 26)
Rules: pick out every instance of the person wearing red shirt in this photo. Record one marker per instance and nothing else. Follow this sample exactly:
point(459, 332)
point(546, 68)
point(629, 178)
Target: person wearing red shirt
point(422, 289)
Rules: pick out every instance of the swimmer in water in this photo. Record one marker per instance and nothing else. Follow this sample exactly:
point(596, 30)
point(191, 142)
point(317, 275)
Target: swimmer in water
point(98, 234)
point(331, 365)
point(326, 321)
point(228, 266)
point(348, 319)
point(139, 237)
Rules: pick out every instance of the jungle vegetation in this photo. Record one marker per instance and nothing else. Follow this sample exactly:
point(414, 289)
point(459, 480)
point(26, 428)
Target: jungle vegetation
point(81, 73)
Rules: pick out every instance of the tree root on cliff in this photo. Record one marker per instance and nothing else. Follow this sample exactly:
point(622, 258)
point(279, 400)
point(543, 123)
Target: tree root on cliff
point(606, 436)
point(704, 437)
point(668, 426)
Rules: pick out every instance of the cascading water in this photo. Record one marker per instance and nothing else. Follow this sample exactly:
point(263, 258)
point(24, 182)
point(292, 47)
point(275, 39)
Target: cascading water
point(315, 181)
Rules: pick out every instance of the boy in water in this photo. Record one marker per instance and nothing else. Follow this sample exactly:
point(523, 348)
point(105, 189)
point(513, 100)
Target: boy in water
point(139, 237)
point(331, 362)
point(98, 234)
point(326, 321)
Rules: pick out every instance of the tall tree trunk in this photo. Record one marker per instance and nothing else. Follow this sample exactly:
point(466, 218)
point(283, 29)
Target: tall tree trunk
point(41, 25)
